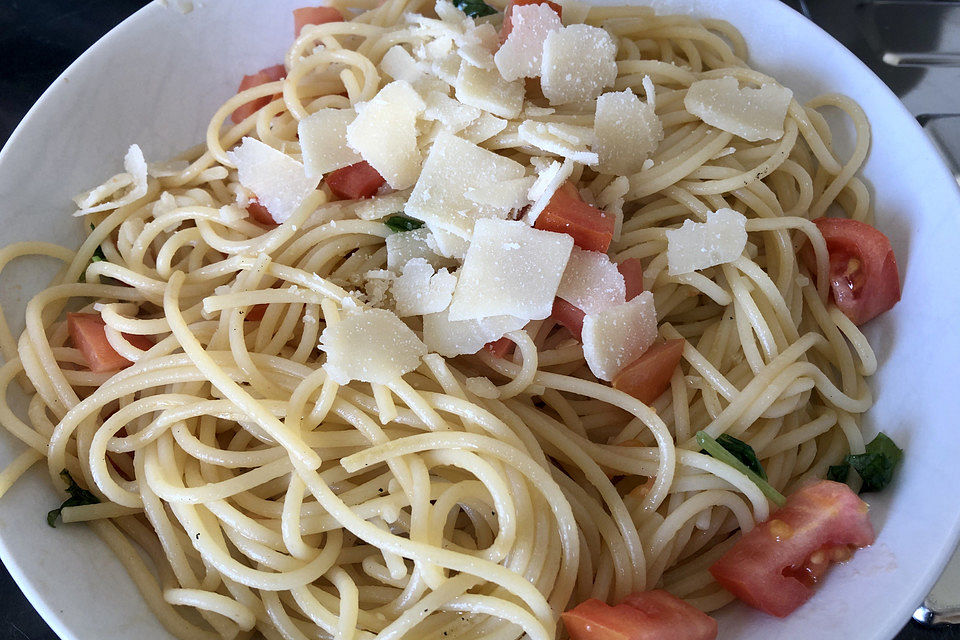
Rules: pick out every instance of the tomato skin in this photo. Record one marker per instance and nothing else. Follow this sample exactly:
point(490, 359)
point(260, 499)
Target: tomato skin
point(508, 15)
point(313, 15)
point(591, 228)
point(649, 615)
point(762, 567)
point(269, 74)
point(632, 271)
point(864, 280)
point(357, 181)
point(88, 334)
point(260, 213)
point(647, 377)
point(569, 316)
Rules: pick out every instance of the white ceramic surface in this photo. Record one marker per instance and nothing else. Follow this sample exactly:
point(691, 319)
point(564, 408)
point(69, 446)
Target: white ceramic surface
point(157, 78)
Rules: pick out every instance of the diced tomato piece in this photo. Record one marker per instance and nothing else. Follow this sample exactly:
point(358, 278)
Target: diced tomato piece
point(508, 12)
point(313, 15)
point(88, 334)
point(632, 271)
point(500, 348)
point(773, 566)
point(357, 181)
point(569, 316)
point(270, 74)
point(566, 212)
point(260, 213)
point(647, 377)
point(651, 615)
point(864, 281)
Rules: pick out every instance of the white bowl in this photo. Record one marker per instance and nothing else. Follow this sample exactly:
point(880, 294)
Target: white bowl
point(157, 78)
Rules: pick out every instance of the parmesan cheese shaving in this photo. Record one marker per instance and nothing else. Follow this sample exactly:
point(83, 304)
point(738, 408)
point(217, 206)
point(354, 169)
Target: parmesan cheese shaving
point(400, 65)
point(452, 114)
point(410, 245)
point(454, 338)
point(453, 167)
point(323, 141)
point(420, 291)
point(579, 61)
point(381, 206)
point(279, 182)
point(752, 114)
point(510, 269)
point(487, 90)
point(485, 127)
point(591, 282)
point(700, 245)
point(370, 345)
point(565, 140)
point(521, 55)
point(509, 194)
point(617, 336)
point(627, 131)
point(548, 181)
point(385, 133)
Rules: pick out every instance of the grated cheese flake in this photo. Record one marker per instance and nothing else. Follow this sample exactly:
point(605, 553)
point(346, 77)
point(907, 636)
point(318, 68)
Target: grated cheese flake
point(549, 179)
point(617, 336)
point(700, 245)
point(591, 282)
point(279, 182)
point(454, 166)
point(133, 182)
point(486, 126)
point(627, 131)
point(385, 133)
point(419, 290)
point(454, 338)
point(370, 345)
point(486, 89)
point(452, 114)
point(510, 269)
point(449, 245)
point(753, 114)
point(565, 140)
point(323, 141)
point(579, 61)
point(521, 55)
point(400, 65)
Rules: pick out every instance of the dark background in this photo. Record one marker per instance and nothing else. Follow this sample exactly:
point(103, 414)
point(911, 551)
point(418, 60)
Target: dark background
point(40, 38)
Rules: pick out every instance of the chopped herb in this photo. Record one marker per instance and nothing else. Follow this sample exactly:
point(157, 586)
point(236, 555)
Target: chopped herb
point(402, 223)
point(716, 450)
point(78, 496)
point(474, 8)
point(838, 472)
point(98, 253)
point(742, 452)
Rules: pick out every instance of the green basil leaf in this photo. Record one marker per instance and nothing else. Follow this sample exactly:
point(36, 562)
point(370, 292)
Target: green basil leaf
point(716, 450)
point(402, 223)
point(78, 496)
point(838, 472)
point(877, 464)
point(743, 452)
point(474, 8)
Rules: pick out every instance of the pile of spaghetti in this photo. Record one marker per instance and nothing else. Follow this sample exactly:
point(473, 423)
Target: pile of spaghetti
point(284, 427)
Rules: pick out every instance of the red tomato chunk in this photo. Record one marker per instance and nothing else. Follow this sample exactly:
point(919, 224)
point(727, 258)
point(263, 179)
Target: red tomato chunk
point(313, 15)
point(568, 316)
point(647, 377)
point(260, 213)
point(357, 181)
point(270, 74)
point(88, 334)
point(864, 281)
point(773, 567)
point(632, 271)
point(591, 228)
point(500, 348)
point(508, 14)
point(649, 615)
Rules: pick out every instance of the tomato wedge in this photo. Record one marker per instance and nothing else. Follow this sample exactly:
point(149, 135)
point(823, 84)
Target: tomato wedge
point(508, 12)
point(568, 316)
point(864, 281)
point(649, 615)
point(313, 15)
point(270, 74)
point(774, 566)
point(260, 213)
point(357, 181)
point(591, 228)
point(647, 377)
point(500, 348)
point(632, 271)
point(88, 334)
